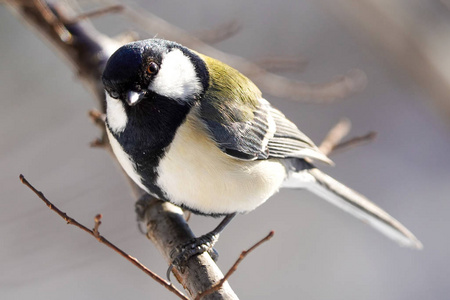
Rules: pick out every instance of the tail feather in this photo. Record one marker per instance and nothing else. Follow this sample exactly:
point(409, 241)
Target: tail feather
point(354, 203)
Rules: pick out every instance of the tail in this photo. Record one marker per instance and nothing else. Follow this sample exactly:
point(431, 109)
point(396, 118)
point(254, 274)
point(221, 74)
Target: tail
point(354, 203)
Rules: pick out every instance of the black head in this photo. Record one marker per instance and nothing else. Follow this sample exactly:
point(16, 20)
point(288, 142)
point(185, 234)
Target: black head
point(142, 70)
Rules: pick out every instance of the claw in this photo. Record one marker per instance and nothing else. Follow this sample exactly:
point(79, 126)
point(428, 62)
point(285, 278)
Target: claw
point(196, 246)
point(169, 270)
point(205, 243)
point(214, 254)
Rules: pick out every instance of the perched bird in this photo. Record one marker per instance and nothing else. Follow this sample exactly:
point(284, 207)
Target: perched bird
point(193, 131)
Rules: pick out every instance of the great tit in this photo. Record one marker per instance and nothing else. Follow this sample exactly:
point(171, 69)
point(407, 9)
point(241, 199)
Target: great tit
point(193, 131)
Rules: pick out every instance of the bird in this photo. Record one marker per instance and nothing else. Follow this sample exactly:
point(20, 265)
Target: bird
point(193, 131)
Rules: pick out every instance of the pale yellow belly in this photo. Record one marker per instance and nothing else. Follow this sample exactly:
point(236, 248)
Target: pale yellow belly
point(195, 173)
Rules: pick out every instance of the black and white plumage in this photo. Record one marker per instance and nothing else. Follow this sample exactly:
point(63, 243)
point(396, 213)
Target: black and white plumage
point(193, 131)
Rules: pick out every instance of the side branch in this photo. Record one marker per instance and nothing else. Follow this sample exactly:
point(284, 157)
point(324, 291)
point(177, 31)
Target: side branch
point(103, 240)
point(278, 86)
point(332, 142)
point(87, 51)
point(230, 272)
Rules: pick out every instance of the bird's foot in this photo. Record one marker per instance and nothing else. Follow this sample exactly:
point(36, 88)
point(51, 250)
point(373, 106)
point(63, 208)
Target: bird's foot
point(196, 246)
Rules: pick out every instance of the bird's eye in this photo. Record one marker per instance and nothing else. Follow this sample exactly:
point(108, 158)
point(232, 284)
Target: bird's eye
point(114, 94)
point(152, 68)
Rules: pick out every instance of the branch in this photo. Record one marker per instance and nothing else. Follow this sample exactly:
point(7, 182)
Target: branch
point(87, 51)
point(221, 33)
point(355, 141)
point(101, 239)
point(283, 64)
point(275, 85)
point(95, 13)
point(230, 272)
point(335, 135)
point(332, 142)
point(162, 218)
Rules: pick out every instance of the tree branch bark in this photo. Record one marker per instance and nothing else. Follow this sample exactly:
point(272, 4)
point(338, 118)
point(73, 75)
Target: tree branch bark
point(87, 51)
point(96, 234)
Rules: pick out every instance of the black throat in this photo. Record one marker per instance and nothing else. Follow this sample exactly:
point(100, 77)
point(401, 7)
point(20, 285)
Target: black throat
point(151, 127)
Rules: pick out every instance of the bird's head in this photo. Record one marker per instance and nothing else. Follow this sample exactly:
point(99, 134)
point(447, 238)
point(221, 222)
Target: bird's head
point(142, 70)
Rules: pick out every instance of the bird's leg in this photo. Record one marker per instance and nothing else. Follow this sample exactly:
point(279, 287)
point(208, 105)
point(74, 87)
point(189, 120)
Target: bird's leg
point(198, 245)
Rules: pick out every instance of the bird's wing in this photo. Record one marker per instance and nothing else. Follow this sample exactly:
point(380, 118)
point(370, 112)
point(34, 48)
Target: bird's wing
point(289, 141)
point(246, 126)
point(256, 131)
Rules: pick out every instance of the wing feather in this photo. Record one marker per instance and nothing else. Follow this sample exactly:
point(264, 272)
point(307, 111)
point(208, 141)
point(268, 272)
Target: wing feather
point(246, 126)
point(268, 134)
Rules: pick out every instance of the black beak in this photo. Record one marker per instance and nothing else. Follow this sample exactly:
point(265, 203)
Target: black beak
point(134, 98)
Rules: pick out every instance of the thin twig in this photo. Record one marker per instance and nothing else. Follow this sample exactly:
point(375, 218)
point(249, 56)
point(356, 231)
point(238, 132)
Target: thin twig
point(273, 84)
point(98, 143)
point(334, 136)
point(356, 141)
point(220, 33)
point(53, 21)
point(98, 222)
point(87, 57)
point(95, 13)
point(103, 240)
point(97, 118)
point(230, 272)
point(283, 64)
point(332, 142)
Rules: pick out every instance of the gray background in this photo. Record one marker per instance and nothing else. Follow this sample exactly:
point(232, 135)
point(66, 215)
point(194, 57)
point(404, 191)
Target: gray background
point(318, 252)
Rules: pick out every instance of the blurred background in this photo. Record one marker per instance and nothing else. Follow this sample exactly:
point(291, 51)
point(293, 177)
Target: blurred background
point(318, 251)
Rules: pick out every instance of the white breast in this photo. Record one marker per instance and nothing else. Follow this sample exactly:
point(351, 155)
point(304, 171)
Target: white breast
point(194, 172)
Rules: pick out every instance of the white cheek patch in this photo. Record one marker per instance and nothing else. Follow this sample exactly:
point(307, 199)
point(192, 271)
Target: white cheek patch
point(176, 78)
point(115, 114)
